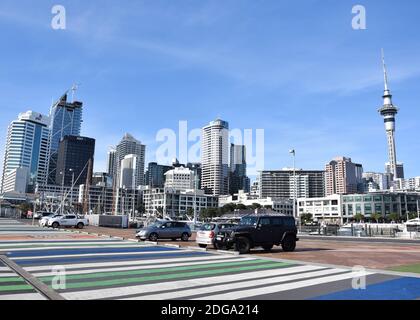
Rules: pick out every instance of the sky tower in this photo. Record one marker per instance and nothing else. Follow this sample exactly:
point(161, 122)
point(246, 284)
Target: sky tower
point(388, 111)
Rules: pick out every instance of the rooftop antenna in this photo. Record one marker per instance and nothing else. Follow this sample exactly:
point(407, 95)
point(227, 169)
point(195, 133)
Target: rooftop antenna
point(73, 89)
point(385, 72)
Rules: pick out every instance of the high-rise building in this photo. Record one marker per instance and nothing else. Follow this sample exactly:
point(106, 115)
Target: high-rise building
point(181, 179)
point(155, 175)
point(128, 172)
point(388, 111)
point(66, 120)
point(376, 181)
point(110, 164)
point(196, 168)
point(400, 169)
point(238, 179)
point(342, 176)
point(279, 183)
point(74, 154)
point(215, 158)
point(27, 146)
point(129, 145)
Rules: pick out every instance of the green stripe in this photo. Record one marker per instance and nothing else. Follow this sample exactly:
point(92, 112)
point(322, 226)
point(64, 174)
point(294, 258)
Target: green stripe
point(151, 271)
point(22, 287)
point(105, 283)
point(11, 279)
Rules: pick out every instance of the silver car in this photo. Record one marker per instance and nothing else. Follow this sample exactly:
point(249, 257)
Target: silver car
point(165, 230)
point(208, 231)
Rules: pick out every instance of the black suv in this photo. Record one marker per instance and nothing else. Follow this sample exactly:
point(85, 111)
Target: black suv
point(260, 231)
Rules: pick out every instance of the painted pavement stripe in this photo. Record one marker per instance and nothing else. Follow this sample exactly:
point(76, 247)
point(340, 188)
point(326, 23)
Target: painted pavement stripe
point(117, 253)
point(185, 294)
point(181, 284)
point(137, 267)
point(156, 270)
point(86, 246)
point(135, 263)
point(113, 257)
point(398, 289)
point(22, 296)
point(121, 282)
point(243, 294)
point(74, 252)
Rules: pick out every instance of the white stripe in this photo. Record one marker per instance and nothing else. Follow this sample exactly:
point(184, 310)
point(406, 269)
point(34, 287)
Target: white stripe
point(282, 287)
point(181, 284)
point(96, 254)
point(234, 286)
point(22, 296)
point(43, 245)
point(156, 266)
point(134, 263)
point(72, 247)
point(9, 274)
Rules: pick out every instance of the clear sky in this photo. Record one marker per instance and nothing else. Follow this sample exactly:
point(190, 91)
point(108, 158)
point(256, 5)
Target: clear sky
point(294, 68)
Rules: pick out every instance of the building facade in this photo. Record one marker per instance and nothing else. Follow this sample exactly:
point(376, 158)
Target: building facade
point(342, 176)
point(238, 179)
point(110, 163)
point(66, 120)
point(130, 146)
point(74, 155)
point(280, 183)
point(215, 158)
point(27, 146)
point(175, 203)
point(155, 175)
point(181, 179)
point(128, 172)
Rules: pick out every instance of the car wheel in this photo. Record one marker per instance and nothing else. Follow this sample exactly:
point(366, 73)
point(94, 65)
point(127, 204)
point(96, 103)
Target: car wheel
point(202, 245)
point(243, 245)
point(185, 237)
point(153, 237)
point(55, 225)
point(267, 247)
point(80, 225)
point(289, 244)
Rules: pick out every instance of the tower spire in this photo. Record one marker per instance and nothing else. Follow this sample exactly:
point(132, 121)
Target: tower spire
point(385, 71)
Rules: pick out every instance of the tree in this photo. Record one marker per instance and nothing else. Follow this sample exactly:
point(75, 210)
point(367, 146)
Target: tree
point(375, 217)
point(230, 207)
point(254, 206)
point(241, 206)
point(359, 217)
point(210, 213)
point(393, 217)
point(306, 217)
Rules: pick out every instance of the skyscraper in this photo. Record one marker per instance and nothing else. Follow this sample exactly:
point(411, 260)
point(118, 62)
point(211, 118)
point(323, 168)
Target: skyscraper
point(26, 152)
point(130, 146)
point(238, 179)
point(66, 120)
point(155, 175)
point(342, 176)
point(73, 158)
point(215, 158)
point(111, 162)
point(388, 112)
point(128, 172)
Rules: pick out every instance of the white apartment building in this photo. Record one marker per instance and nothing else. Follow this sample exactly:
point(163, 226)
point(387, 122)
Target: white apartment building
point(27, 146)
point(180, 179)
point(283, 206)
point(128, 172)
point(215, 158)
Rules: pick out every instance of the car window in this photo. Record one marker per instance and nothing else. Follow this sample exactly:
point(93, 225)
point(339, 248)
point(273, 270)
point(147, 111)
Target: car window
point(208, 227)
point(169, 225)
point(277, 221)
point(264, 221)
point(70, 217)
point(249, 221)
point(225, 226)
point(290, 222)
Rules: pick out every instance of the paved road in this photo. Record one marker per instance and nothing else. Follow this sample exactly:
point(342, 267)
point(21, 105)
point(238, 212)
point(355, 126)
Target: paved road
point(107, 268)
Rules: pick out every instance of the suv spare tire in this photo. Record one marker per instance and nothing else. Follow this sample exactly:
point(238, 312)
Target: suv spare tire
point(242, 245)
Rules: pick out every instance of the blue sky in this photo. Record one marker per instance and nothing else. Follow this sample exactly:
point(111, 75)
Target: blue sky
point(296, 69)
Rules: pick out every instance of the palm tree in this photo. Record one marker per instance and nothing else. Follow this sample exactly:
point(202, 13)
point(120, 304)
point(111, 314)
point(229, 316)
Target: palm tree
point(375, 217)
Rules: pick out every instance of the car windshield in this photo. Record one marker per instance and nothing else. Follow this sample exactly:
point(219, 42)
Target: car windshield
point(249, 221)
point(208, 227)
point(157, 224)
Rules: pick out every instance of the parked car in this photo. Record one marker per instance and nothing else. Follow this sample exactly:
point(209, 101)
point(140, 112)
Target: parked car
point(69, 220)
point(165, 230)
point(40, 214)
point(44, 220)
point(260, 231)
point(206, 235)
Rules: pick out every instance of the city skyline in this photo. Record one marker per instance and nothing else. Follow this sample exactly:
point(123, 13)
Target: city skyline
point(349, 80)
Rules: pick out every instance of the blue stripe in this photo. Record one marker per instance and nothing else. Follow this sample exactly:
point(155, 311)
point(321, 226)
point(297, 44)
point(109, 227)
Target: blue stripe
point(56, 252)
point(71, 260)
point(397, 289)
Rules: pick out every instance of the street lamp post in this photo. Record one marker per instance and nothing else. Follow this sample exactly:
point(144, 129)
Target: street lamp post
point(62, 193)
point(72, 185)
